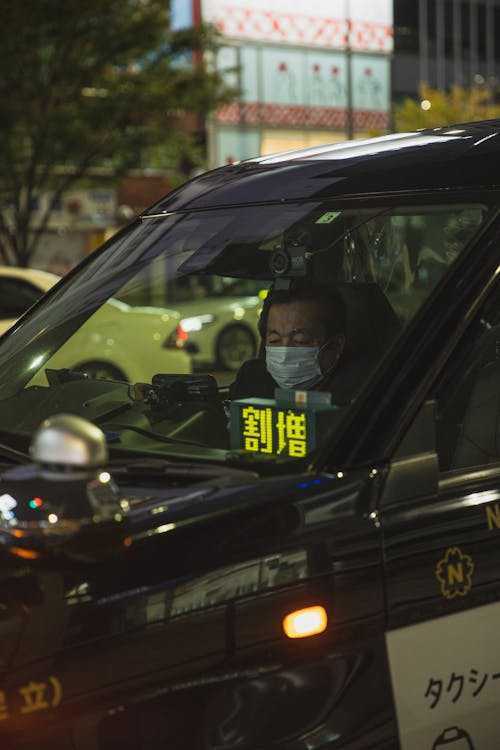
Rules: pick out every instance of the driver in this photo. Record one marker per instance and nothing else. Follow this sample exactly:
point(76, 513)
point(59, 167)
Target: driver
point(303, 340)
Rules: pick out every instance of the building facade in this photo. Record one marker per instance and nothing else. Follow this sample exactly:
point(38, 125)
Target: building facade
point(308, 72)
point(445, 42)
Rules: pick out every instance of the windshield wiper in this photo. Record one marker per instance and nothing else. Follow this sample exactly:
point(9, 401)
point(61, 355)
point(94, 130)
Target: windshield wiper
point(154, 435)
point(159, 467)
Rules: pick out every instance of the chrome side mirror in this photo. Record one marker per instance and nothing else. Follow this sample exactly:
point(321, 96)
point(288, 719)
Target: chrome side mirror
point(66, 442)
point(64, 489)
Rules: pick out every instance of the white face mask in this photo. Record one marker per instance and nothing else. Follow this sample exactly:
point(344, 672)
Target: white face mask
point(294, 366)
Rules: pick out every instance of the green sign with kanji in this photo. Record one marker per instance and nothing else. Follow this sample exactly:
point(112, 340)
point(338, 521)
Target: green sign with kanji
point(287, 430)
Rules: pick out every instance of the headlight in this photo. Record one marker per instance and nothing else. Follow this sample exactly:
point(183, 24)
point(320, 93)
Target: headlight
point(197, 322)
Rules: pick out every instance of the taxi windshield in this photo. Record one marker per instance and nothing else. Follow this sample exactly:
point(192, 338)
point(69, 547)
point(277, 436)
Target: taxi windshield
point(242, 331)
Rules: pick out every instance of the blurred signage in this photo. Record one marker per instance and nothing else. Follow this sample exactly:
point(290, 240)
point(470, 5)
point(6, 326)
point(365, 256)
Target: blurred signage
point(305, 77)
point(77, 209)
point(304, 87)
point(361, 24)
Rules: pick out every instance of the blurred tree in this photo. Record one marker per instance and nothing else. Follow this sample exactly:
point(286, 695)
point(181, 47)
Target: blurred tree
point(436, 108)
point(94, 83)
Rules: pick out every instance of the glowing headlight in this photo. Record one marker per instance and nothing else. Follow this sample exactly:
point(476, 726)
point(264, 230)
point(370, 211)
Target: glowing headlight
point(197, 322)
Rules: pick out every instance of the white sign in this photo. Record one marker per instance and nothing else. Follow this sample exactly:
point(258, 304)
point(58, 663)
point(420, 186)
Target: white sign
point(361, 24)
point(446, 681)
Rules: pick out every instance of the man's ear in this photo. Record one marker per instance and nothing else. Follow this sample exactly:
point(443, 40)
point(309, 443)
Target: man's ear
point(331, 354)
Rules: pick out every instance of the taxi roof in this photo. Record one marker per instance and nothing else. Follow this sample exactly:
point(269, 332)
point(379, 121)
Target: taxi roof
point(458, 157)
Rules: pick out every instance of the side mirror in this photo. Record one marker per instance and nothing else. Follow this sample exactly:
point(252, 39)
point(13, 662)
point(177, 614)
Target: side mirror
point(414, 469)
point(65, 489)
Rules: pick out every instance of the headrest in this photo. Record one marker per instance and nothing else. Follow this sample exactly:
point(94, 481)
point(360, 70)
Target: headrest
point(372, 323)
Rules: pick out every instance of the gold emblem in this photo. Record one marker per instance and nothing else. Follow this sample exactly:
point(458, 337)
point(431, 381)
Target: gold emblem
point(454, 573)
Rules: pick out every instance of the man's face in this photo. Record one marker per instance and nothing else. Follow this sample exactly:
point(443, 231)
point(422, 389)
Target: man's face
point(295, 324)
point(299, 324)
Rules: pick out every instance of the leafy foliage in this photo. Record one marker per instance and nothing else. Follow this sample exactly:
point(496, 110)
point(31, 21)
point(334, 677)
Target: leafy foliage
point(94, 83)
point(446, 108)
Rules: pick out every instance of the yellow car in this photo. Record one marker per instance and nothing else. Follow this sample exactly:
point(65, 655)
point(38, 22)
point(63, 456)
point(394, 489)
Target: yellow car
point(119, 341)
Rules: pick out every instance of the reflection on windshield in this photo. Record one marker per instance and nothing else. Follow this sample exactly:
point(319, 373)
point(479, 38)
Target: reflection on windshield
point(234, 332)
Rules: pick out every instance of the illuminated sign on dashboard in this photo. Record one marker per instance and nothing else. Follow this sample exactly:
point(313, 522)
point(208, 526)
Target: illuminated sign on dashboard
point(288, 427)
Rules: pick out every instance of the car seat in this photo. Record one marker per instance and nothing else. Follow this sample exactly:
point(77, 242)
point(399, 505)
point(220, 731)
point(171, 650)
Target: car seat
point(372, 323)
point(372, 326)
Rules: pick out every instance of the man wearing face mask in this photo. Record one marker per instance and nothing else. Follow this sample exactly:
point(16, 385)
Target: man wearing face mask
point(303, 333)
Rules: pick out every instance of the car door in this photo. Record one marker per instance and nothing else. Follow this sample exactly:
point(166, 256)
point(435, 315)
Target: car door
point(440, 514)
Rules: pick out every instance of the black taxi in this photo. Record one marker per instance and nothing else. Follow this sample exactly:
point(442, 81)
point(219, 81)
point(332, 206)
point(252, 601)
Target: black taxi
point(192, 565)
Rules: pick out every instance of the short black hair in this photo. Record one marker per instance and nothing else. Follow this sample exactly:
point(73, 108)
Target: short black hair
point(328, 299)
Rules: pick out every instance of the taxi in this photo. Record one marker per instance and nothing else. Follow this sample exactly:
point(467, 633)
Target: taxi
point(200, 563)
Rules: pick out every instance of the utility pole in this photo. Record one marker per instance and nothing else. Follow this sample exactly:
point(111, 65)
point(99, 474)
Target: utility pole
point(348, 52)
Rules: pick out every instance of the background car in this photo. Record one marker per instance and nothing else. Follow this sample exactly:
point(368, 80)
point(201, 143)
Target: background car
point(19, 289)
point(120, 341)
point(224, 332)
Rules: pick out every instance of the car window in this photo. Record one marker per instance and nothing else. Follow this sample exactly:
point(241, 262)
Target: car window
point(127, 344)
point(16, 295)
point(468, 396)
